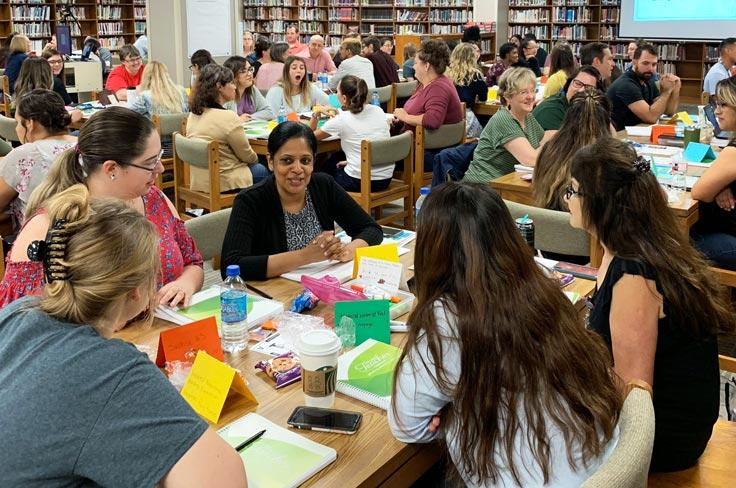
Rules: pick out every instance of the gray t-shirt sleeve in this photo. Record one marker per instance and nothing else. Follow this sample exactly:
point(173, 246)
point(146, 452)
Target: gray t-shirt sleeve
point(144, 428)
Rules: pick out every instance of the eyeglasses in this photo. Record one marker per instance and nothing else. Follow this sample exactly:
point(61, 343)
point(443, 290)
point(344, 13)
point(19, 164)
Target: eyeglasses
point(580, 85)
point(570, 191)
point(152, 168)
point(133, 60)
point(55, 61)
point(246, 70)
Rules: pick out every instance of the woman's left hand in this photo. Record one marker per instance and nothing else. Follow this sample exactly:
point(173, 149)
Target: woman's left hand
point(245, 117)
point(400, 114)
point(177, 292)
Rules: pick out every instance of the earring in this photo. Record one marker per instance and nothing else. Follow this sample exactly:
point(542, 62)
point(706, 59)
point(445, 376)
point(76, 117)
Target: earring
point(112, 176)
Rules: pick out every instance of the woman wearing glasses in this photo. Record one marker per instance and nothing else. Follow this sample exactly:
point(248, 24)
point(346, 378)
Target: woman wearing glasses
point(657, 306)
point(56, 61)
point(715, 233)
point(512, 136)
point(127, 170)
point(126, 75)
point(249, 103)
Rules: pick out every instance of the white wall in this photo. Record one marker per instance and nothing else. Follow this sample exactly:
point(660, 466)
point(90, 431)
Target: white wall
point(485, 10)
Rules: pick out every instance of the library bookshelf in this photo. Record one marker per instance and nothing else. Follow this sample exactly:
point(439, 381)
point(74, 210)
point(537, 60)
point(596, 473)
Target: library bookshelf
point(113, 22)
point(582, 21)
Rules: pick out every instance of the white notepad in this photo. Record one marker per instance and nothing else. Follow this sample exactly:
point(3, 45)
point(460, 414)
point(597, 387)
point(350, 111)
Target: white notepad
point(281, 457)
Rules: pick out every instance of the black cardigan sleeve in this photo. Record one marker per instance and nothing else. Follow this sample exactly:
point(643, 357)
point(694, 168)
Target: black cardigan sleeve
point(348, 214)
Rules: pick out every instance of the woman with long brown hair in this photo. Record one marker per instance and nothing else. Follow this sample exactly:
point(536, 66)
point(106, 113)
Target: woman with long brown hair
point(562, 66)
point(657, 306)
point(524, 390)
point(587, 120)
point(294, 93)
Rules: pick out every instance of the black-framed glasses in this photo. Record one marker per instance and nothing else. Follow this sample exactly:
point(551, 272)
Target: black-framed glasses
point(135, 60)
point(570, 191)
point(580, 85)
point(152, 168)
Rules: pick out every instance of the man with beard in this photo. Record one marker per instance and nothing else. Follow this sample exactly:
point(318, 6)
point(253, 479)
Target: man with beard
point(635, 98)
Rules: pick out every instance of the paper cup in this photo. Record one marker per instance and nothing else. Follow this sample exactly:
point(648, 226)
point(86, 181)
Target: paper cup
point(318, 351)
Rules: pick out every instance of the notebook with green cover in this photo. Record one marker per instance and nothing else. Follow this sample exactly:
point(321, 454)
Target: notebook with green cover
point(280, 458)
point(367, 372)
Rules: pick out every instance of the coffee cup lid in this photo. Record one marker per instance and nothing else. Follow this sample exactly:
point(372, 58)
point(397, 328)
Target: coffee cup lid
point(318, 342)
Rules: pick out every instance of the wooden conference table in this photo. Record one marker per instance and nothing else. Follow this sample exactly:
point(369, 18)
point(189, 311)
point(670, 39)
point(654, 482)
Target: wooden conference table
point(371, 456)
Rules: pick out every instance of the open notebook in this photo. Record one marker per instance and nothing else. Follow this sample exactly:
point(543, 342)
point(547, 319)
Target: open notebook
point(367, 372)
point(206, 303)
point(280, 458)
point(341, 271)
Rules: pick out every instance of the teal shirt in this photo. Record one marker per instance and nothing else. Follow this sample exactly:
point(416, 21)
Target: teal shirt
point(491, 159)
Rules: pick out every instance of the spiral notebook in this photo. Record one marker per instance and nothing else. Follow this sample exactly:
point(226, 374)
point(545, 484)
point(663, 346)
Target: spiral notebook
point(367, 372)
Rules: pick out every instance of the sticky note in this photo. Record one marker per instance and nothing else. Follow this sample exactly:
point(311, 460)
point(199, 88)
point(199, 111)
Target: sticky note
point(387, 252)
point(371, 319)
point(174, 344)
point(685, 118)
point(385, 274)
point(208, 385)
point(697, 152)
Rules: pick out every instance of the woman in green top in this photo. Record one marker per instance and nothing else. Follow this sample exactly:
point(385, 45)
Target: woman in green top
point(513, 135)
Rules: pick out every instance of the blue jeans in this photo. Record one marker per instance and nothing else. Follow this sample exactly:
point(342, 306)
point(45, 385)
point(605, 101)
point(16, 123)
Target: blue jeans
point(718, 247)
point(259, 172)
point(452, 163)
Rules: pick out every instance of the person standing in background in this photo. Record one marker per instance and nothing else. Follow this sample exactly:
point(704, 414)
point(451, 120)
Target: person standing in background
point(142, 45)
point(248, 45)
point(19, 48)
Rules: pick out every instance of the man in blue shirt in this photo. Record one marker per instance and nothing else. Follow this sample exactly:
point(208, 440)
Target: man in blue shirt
point(722, 69)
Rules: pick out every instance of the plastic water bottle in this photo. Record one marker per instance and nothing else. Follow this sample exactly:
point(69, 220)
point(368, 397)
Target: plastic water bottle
point(325, 79)
point(678, 172)
point(375, 99)
point(318, 79)
point(423, 192)
point(282, 115)
point(234, 311)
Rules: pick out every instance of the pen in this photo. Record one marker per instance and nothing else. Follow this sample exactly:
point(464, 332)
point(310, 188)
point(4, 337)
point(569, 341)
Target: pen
point(250, 440)
point(258, 292)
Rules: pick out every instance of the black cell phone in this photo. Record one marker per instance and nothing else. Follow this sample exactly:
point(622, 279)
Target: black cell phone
point(325, 419)
point(390, 231)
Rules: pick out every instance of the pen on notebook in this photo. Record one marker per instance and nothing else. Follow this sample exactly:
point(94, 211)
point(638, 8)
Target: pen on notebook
point(250, 440)
point(258, 292)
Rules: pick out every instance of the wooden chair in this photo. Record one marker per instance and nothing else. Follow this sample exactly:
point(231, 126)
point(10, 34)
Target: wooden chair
point(725, 277)
point(208, 231)
point(7, 129)
point(705, 98)
point(385, 152)
point(167, 124)
point(446, 136)
point(628, 464)
point(5, 104)
point(201, 154)
point(384, 94)
point(400, 91)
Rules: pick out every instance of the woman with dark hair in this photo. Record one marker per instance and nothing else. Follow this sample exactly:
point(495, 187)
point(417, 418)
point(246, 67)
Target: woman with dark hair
point(200, 58)
point(288, 220)
point(272, 70)
point(249, 103)
point(125, 170)
point(508, 56)
point(357, 122)
point(561, 68)
point(294, 93)
point(715, 232)
point(261, 53)
point(56, 61)
point(34, 73)
point(410, 51)
point(657, 306)
point(43, 132)
point(471, 371)
point(211, 121)
point(435, 102)
point(587, 120)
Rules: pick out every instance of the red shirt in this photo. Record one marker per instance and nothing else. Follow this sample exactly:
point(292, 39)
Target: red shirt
point(438, 101)
point(120, 79)
point(295, 49)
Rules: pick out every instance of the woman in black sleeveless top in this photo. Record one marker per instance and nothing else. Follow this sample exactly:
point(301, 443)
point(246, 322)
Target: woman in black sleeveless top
point(715, 232)
point(657, 306)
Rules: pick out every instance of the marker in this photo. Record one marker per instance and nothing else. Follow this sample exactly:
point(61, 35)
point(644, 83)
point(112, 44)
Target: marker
point(250, 440)
point(397, 326)
point(367, 290)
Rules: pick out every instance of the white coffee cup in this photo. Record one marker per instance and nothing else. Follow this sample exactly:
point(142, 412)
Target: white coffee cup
point(318, 350)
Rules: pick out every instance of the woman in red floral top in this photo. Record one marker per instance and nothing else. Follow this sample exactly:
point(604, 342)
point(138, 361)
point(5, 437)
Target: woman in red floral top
point(118, 156)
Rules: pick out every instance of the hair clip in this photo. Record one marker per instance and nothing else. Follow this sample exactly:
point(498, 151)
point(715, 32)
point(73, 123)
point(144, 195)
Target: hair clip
point(642, 165)
point(51, 251)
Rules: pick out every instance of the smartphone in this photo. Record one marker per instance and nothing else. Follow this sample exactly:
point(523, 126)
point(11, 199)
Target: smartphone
point(325, 419)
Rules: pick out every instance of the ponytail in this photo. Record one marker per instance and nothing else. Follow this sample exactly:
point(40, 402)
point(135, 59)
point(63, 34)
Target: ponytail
point(356, 91)
point(65, 172)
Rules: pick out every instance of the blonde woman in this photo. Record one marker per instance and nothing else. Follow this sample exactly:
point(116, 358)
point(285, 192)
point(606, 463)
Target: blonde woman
point(101, 267)
point(469, 83)
point(18, 51)
point(158, 94)
point(294, 93)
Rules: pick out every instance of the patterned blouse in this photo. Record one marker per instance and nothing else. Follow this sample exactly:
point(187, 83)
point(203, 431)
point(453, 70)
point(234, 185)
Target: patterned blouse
point(177, 249)
point(302, 227)
point(494, 73)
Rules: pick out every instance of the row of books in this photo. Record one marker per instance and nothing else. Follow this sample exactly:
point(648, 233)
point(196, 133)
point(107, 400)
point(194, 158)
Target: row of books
point(140, 27)
point(537, 15)
point(411, 16)
point(450, 16)
point(271, 3)
point(574, 14)
point(343, 13)
point(540, 31)
point(378, 14)
point(527, 3)
point(311, 27)
point(377, 29)
point(36, 29)
point(610, 14)
point(446, 29)
point(108, 12)
point(306, 13)
point(411, 29)
point(411, 3)
point(110, 28)
point(569, 32)
point(112, 42)
point(451, 3)
point(139, 12)
point(27, 12)
point(609, 32)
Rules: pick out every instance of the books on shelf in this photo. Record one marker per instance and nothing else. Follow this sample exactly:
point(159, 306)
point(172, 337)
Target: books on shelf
point(280, 457)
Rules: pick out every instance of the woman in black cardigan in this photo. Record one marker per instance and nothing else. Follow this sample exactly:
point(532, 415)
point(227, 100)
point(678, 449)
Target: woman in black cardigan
point(288, 219)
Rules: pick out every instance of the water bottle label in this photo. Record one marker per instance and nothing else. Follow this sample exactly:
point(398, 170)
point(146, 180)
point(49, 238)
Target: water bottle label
point(234, 306)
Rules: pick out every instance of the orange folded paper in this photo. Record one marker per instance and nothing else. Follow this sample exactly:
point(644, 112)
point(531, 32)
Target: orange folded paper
point(174, 344)
point(661, 130)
